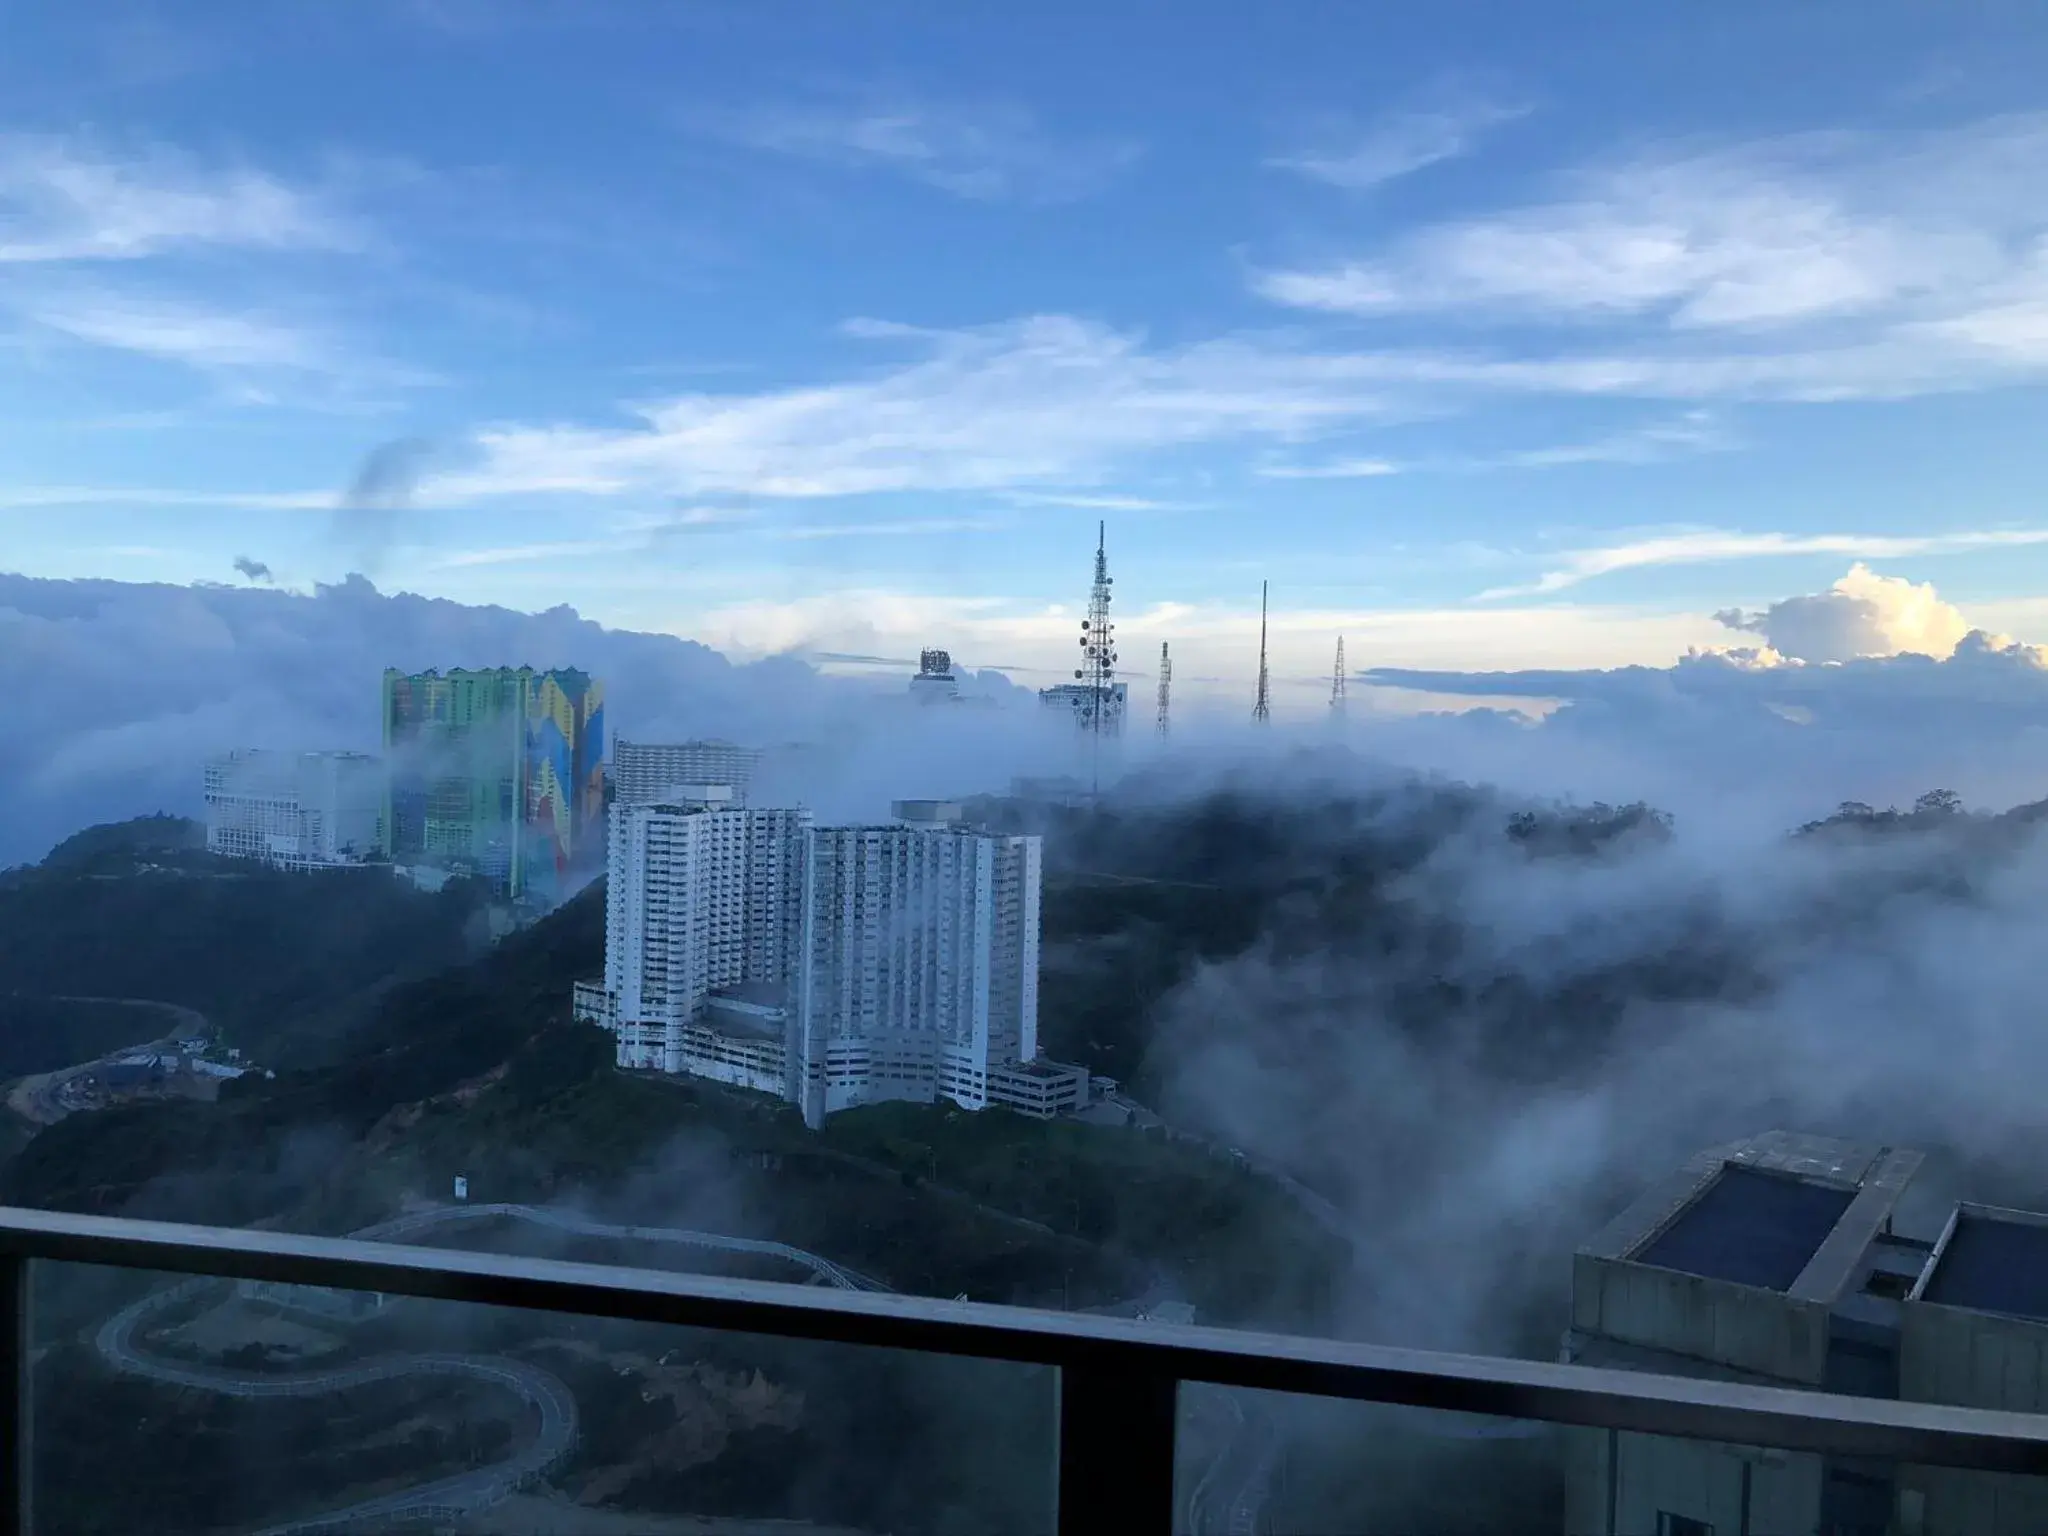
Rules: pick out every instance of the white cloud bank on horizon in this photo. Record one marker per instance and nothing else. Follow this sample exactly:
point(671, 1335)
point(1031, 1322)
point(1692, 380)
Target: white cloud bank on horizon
point(125, 688)
point(1862, 615)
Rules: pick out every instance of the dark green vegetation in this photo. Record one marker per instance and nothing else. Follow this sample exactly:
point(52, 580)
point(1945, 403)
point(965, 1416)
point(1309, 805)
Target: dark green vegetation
point(282, 964)
point(1141, 894)
point(41, 1034)
point(119, 847)
point(476, 1069)
point(714, 1425)
point(1287, 937)
point(1937, 810)
point(195, 1461)
point(1203, 1226)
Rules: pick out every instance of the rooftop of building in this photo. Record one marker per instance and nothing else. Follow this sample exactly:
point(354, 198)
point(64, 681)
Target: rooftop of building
point(1782, 1212)
point(1040, 1067)
point(927, 812)
point(1750, 1227)
point(766, 993)
point(752, 1010)
point(695, 744)
point(1991, 1260)
point(693, 797)
point(522, 669)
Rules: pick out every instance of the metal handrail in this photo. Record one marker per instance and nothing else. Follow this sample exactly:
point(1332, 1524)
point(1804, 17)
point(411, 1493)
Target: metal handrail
point(1118, 1377)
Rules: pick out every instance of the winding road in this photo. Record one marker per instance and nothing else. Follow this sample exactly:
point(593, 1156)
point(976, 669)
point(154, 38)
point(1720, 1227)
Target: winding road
point(123, 1343)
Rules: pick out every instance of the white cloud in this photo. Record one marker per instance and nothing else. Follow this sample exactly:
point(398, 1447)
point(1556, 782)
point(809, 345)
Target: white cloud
point(907, 527)
point(986, 153)
point(258, 357)
point(1048, 399)
point(1089, 501)
point(1213, 641)
point(1864, 614)
point(1694, 432)
point(1755, 236)
point(1335, 469)
point(64, 200)
point(50, 496)
point(519, 554)
point(127, 687)
point(202, 338)
point(1399, 144)
point(1712, 546)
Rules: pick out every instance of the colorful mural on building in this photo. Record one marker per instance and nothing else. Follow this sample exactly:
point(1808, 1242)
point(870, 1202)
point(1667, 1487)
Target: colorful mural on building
point(496, 772)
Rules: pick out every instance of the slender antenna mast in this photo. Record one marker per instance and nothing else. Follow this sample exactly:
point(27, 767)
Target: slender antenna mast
point(1165, 686)
point(1262, 710)
point(1337, 695)
point(1097, 673)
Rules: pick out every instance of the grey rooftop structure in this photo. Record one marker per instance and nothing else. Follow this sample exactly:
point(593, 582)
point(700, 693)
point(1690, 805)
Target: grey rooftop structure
point(1771, 1260)
point(1806, 1218)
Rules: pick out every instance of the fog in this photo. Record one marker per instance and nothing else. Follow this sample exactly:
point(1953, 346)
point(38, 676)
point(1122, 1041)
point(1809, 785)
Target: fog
point(1880, 989)
point(124, 689)
point(1592, 1017)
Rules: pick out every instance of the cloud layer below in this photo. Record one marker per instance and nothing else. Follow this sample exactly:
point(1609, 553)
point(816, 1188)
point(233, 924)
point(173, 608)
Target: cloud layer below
point(126, 688)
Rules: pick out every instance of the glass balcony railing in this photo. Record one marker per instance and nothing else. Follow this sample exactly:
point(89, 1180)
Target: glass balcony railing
point(1143, 1426)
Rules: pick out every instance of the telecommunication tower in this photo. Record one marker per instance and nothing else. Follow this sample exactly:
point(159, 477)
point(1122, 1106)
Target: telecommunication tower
point(1337, 694)
point(1165, 686)
point(1262, 709)
point(1097, 672)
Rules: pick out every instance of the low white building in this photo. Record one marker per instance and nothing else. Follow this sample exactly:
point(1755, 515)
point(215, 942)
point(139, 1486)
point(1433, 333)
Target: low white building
point(740, 1036)
point(295, 810)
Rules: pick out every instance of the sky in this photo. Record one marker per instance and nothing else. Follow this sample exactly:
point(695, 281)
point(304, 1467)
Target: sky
point(1495, 336)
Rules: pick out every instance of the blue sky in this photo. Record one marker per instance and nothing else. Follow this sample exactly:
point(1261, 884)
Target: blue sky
point(1491, 334)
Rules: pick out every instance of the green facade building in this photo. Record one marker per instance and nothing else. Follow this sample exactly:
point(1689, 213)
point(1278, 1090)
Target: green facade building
point(496, 773)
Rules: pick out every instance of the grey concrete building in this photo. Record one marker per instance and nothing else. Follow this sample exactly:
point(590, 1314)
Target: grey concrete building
point(1772, 1261)
point(1975, 1335)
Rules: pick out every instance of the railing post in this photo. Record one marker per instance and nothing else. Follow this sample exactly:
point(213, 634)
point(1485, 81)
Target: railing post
point(1116, 1452)
point(17, 1392)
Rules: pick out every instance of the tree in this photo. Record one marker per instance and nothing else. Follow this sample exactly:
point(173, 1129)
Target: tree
point(1938, 802)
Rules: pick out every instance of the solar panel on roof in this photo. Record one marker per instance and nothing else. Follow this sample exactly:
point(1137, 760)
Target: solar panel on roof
point(1752, 1228)
point(1993, 1266)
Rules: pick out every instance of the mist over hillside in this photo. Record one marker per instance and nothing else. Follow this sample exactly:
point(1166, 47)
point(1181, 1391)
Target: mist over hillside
point(1329, 943)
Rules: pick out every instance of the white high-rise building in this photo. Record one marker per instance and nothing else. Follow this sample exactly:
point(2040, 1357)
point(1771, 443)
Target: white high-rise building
point(834, 966)
point(700, 897)
point(646, 773)
point(920, 947)
point(295, 810)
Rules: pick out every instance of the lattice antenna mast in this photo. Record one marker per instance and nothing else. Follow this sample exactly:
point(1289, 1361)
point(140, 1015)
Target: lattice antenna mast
point(1337, 694)
point(1165, 687)
point(1097, 672)
point(1262, 708)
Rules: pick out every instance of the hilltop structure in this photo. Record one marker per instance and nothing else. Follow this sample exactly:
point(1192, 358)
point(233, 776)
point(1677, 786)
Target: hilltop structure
point(295, 810)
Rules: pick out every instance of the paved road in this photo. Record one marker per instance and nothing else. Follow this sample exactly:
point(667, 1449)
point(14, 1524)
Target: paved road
point(123, 1344)
point(1229, 1497)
